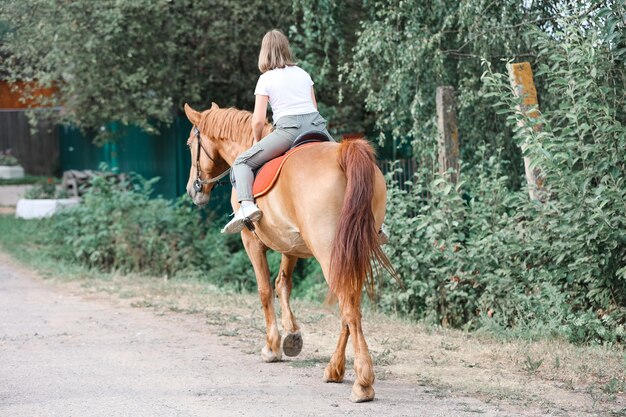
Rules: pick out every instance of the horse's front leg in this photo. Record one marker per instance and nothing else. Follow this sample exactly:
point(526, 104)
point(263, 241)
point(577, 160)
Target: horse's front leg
point(292, 344)
point(336, 368)
point(256, 250)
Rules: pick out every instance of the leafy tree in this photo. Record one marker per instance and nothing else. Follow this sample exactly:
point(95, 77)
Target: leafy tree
point(322, 38)
point(136, 62)
point(406, 49)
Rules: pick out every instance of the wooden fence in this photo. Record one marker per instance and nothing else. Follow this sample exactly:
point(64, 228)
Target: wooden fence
point(37, 152)
point(403, 170)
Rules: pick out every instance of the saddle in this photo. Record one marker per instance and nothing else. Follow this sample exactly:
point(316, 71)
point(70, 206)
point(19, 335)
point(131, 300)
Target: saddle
point(267, 175)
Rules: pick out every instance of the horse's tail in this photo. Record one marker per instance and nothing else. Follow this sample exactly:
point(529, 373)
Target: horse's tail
point(356, 242)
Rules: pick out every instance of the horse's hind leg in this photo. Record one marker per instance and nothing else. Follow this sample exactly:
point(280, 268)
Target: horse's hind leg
point(362, 390)
point(271, 352)
point(350, 308)
point(292, 343)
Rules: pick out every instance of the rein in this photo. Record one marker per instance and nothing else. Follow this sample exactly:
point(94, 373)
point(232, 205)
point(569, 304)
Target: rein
point(199, 182)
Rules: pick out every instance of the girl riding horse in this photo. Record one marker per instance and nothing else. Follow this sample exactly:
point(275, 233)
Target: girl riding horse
point(289, 91)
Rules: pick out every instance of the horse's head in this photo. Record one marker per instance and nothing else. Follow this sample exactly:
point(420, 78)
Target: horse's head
point(207, 165)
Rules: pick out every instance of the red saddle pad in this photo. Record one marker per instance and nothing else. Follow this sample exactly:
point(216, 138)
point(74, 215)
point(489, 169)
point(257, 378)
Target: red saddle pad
point(268, 174)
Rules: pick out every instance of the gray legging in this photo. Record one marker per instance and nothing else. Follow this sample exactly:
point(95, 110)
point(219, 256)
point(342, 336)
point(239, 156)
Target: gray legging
point(286, 130)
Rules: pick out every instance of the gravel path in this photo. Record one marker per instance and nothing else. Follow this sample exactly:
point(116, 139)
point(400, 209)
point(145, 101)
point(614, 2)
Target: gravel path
point(66, 355)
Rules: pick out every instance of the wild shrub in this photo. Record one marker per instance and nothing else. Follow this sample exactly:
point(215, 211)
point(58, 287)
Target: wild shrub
point(480, 254)
point(578, 232)
point(7, 159)
point(45, 190)
point(119, 226)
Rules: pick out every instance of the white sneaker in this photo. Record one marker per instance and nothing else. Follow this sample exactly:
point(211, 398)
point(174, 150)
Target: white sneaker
point(236, 225)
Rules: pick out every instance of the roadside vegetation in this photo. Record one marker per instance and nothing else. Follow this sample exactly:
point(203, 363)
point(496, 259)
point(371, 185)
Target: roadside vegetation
point(120, 227)
point(480, 254)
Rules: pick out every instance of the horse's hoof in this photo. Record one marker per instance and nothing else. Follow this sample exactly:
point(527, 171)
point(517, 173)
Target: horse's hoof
point(269, 356)
point(292, 344)
point(361, 394)
point(333, 375)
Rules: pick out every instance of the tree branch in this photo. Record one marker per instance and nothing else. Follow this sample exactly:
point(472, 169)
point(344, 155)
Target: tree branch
point(530, 23)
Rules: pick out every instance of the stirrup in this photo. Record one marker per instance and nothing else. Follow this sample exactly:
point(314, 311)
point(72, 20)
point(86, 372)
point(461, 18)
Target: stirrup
point(383, 237)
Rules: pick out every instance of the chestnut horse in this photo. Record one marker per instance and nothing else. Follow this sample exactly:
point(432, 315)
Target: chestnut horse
point(329, 202)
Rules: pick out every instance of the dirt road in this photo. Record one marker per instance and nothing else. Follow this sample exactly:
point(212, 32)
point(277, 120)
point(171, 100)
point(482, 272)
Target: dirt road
point(65, 355)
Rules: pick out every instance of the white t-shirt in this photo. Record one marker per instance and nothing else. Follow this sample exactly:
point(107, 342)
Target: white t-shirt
point(289, 90)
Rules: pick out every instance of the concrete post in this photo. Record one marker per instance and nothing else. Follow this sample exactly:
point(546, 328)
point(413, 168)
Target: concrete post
point(521, 77)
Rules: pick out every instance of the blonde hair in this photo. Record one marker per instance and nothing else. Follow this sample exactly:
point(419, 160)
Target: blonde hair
point(275, 52)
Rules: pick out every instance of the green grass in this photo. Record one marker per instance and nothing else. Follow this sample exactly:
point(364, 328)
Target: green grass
point(27, 180)
point(18, 236)
point(22, 239)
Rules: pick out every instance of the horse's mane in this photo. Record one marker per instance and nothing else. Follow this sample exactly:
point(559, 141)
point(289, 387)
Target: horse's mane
point(230, 123)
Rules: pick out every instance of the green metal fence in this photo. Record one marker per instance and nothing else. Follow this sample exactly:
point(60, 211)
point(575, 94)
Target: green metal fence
point(164, 155)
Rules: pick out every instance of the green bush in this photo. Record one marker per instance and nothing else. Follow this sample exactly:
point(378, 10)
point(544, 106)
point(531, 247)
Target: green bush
point(120, 227)
point(7, 159)
point(45, 190)
point(483, 255)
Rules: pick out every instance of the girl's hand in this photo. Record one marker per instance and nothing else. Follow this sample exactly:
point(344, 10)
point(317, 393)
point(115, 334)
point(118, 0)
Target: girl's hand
point(259, 116)
point(313, 97)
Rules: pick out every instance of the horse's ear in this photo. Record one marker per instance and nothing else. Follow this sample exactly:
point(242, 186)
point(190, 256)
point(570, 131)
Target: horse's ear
point(214, 106)
point(192, 115)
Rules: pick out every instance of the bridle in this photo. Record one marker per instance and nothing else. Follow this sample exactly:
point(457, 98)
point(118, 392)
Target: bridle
point(199, 182)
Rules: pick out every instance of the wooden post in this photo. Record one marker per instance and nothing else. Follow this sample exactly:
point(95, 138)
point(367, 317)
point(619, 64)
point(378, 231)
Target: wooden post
point(521, 77)
point(448, 132)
